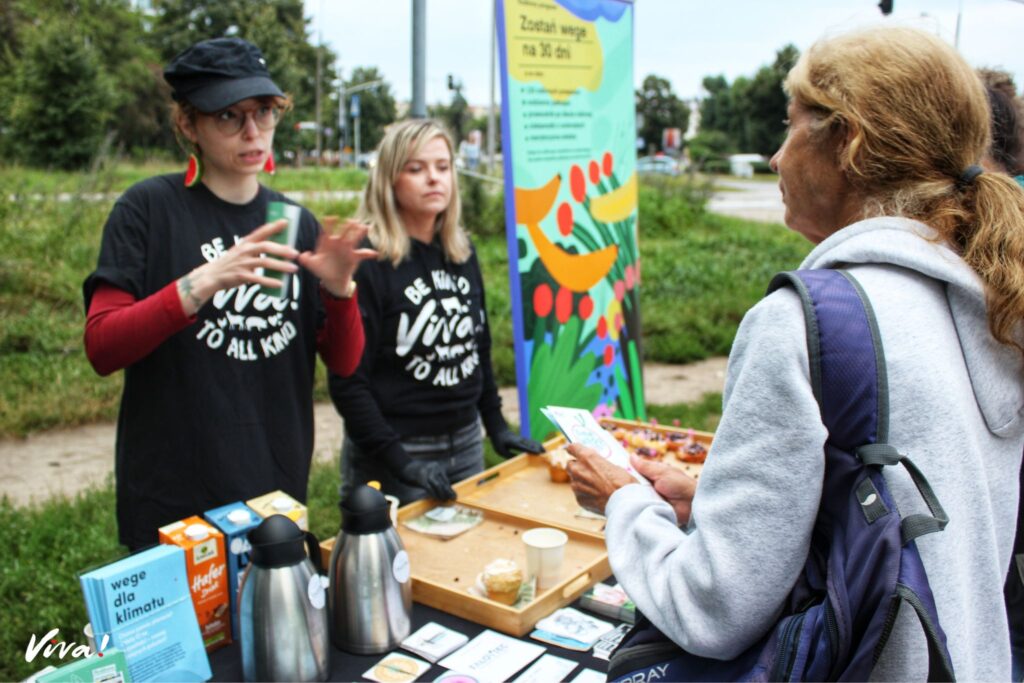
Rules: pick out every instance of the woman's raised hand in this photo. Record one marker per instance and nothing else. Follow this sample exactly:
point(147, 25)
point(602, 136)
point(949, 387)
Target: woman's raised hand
point(239, 265)
point(337, 256)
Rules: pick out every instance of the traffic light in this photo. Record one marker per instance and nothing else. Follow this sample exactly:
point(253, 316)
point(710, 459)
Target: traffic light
point(885, 6)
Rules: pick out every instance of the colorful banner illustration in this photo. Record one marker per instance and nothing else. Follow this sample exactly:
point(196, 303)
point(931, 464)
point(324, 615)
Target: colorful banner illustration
point(569, 132)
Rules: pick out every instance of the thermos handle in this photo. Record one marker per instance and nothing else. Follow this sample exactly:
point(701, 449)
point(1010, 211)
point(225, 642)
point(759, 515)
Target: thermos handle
point(313, 546)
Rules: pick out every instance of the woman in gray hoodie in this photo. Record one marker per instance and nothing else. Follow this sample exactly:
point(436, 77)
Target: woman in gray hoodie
point(878, 169)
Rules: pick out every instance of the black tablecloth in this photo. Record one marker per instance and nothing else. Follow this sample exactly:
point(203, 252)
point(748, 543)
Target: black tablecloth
point(227, 661)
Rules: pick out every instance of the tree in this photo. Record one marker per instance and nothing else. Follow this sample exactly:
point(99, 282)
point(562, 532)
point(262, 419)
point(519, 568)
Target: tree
point(750, 111)
point(61, 99)
point(115, 34)
point(377, 107)
point(660, 109)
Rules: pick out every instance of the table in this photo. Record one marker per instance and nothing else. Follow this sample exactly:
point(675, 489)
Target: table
point(227, 661)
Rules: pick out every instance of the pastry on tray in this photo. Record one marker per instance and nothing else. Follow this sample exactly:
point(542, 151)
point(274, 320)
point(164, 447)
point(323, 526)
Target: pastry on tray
point(558, 460)
point(502, 579)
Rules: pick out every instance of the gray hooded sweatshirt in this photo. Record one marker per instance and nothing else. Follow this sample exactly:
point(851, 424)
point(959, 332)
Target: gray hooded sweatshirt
point(957, 410)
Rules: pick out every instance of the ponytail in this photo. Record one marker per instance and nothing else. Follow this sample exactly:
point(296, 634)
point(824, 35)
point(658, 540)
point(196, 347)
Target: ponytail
point(993, 246)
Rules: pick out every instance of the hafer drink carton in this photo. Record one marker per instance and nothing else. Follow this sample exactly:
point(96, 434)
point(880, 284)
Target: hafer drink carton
point(207, 572)
point(280, 503)
point(235, 521)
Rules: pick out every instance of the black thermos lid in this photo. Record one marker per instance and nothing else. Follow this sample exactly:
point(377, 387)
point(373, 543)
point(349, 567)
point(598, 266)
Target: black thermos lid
point(277, 542)
point(364, 511)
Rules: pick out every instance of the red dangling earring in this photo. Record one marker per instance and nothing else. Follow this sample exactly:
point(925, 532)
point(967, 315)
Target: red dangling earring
point(269, 167)
point(194, 172)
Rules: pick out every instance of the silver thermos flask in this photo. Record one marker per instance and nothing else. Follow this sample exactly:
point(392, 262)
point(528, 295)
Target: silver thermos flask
point(282, 606)
point(370, 592)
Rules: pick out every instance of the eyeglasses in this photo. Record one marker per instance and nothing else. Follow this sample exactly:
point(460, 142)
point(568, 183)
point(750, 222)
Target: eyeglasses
point(231, 121)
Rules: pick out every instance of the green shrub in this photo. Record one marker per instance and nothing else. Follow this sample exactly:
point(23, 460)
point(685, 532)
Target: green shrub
point(59, 108)
point(483, 207)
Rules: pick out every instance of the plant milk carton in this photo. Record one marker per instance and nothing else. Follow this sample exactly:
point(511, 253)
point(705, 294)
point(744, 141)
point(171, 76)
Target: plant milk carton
point(207, 572)
point(280, 503)
point(235, 521)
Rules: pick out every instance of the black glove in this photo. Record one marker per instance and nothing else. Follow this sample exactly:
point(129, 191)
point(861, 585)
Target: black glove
point(430, 476)
point(506, 442)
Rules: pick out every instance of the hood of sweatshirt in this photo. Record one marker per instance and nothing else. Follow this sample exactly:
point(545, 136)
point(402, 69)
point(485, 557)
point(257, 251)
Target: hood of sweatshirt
point(996, 371)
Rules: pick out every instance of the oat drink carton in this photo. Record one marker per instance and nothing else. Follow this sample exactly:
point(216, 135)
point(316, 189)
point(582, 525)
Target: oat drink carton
point(235, 521)
point(207, 573)
point(280, 503)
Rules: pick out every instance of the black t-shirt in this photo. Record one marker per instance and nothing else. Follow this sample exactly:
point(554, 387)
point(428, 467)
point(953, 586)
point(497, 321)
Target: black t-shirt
point(222, 410)
point(426, 369)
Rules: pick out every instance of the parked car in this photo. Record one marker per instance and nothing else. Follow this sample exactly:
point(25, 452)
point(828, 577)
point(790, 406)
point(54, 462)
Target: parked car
point(366, 160)
point(660, 165)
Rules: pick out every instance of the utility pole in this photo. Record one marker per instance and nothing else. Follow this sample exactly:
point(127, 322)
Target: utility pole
point(344, 92)
point(419, 59)
point(959, 16)
point(342, 120)
point(319, 126)
point(490, 112)
point(319, 77)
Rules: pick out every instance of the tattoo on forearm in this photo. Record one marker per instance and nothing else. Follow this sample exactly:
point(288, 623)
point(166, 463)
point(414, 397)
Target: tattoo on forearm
point(185, 285)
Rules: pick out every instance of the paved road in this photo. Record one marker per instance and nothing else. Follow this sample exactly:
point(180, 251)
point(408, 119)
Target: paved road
point(65, 461)
point(751, 199)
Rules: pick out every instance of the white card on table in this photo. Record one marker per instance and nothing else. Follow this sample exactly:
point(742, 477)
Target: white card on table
point(590, 676)
point(575, 625)
point(434, 641)
point(492, 656)
point(547, 668)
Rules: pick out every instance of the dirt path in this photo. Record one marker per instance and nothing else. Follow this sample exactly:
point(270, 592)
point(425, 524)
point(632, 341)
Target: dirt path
point(65, 461)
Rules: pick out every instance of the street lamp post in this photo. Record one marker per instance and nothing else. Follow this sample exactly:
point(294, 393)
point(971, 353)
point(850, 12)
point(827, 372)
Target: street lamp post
point(343, 113)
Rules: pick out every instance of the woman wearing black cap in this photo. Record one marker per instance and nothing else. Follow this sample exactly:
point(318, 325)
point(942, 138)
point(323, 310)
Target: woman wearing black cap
point(217, 402)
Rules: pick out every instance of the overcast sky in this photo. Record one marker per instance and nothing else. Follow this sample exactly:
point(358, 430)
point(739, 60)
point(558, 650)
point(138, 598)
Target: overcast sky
point(682, 40)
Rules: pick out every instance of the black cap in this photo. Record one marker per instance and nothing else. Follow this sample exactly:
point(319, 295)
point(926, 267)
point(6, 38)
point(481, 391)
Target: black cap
point(214, 74)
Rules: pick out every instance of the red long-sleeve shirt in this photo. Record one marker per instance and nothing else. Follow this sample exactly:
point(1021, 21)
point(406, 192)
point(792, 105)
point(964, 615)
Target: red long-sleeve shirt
point(121, 330)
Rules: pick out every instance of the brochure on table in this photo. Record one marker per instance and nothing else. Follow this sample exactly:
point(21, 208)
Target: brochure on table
point(143, 603)
point(492, 656)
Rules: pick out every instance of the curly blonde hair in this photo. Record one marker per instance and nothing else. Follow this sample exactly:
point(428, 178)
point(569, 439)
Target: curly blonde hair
point(379, 210)
point(916, 116)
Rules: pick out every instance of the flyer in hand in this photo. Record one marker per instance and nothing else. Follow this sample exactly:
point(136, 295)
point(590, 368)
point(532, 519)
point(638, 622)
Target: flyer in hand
point(579, 426)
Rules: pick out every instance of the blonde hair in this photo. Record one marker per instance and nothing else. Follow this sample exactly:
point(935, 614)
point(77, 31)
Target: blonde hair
point(379, 210)
point(916, 116)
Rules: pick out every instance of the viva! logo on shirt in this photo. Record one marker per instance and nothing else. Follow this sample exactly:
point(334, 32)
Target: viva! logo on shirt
point(448, 329)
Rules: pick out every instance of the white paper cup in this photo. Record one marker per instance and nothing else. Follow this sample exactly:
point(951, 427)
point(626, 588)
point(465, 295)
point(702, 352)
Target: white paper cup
point(393, 503)
point(545, 551)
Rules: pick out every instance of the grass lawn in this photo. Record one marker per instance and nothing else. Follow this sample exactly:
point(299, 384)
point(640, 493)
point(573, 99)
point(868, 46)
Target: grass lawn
point(119, 177)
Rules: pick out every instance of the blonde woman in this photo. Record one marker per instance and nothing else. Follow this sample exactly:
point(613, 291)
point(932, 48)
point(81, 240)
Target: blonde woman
point(413, 407)
point(880, 170)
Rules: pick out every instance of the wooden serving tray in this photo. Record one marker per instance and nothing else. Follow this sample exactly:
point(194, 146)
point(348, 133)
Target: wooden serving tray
point(515, 496)
point(444, 570)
